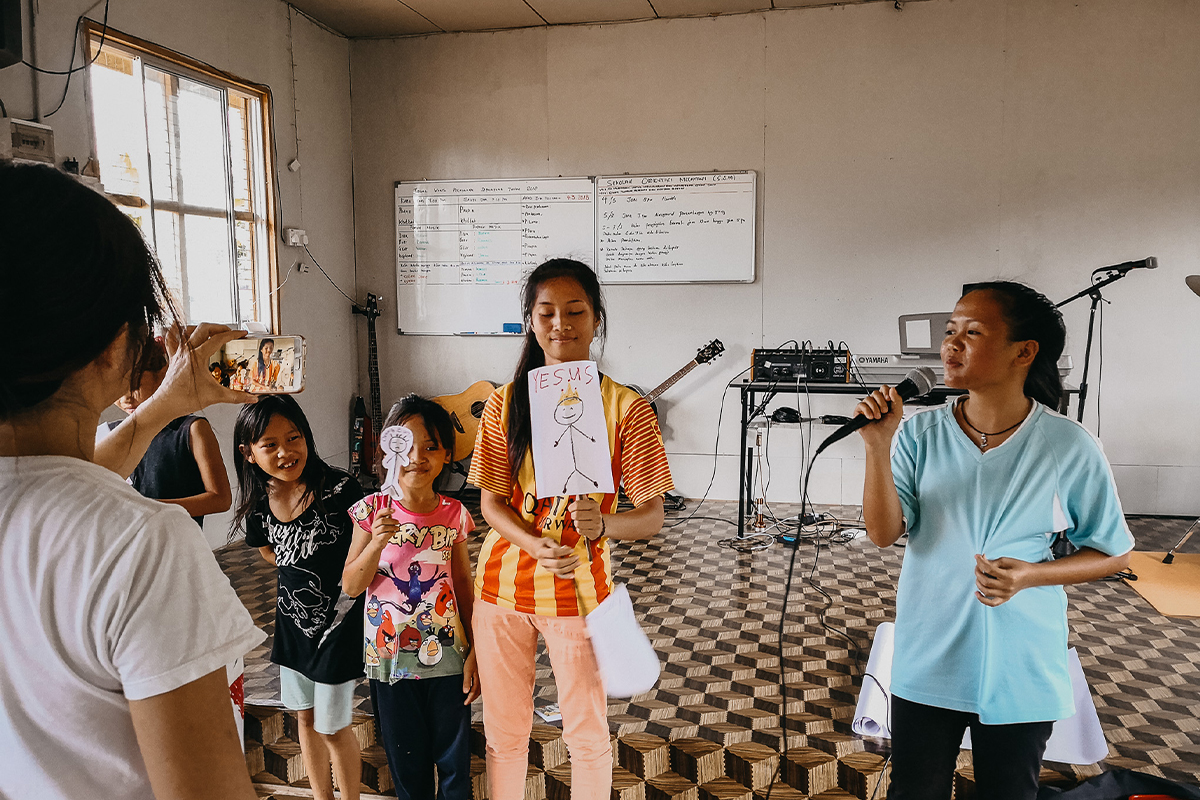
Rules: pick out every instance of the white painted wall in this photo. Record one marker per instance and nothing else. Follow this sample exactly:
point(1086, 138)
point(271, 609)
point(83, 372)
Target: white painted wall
point(254, 40)
point(900, 155)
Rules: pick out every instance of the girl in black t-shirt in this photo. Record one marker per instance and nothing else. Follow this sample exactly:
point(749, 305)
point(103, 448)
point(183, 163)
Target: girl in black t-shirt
point(293, 508)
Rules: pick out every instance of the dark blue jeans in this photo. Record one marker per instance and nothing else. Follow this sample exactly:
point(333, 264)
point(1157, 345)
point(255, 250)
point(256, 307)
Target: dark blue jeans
point(925, 744)
point(424, 724)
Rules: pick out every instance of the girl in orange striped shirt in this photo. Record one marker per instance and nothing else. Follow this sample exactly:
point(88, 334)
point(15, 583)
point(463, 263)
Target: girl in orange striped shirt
point(545, 564)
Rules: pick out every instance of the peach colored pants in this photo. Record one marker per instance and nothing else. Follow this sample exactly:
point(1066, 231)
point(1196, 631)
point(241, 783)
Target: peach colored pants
point(505, 647)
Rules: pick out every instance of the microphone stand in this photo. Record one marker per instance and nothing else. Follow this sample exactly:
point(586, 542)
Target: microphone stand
point(1092, 291)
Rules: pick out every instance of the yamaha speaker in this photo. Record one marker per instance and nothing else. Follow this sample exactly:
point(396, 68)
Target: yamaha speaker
point(10, 32)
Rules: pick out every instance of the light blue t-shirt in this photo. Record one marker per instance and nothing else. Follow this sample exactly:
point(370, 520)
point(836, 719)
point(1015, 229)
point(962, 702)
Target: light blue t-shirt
point(1007, 664)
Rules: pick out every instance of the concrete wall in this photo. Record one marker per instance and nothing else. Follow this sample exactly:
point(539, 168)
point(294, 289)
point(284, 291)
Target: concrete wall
point(900, 154)
point(257, 40)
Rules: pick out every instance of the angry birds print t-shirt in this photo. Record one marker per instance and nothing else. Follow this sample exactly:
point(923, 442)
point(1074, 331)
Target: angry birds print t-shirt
point(412, 627)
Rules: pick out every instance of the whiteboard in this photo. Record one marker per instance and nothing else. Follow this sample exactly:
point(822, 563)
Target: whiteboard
point(676, 228)
point(464, 246)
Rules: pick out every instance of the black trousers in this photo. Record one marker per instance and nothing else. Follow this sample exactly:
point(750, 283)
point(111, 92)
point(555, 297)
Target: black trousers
point(925, 744)
point(424, 724)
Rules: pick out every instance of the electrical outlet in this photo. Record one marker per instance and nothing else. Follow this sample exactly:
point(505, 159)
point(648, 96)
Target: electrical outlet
point(295, 237)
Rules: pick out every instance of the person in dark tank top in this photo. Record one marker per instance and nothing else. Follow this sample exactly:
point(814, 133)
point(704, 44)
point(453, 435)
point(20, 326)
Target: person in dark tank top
point(183, 464)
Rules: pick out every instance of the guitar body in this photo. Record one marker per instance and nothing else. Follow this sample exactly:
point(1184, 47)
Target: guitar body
point(466, 409)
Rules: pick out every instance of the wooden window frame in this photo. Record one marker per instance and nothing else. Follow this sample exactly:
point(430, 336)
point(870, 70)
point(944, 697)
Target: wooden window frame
point(206, 73)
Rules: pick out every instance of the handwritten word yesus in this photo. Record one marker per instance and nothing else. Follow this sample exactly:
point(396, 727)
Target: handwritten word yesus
point(553, 378)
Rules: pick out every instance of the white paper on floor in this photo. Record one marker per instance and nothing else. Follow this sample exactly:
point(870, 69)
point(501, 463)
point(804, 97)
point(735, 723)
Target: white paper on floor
point(1075, 740)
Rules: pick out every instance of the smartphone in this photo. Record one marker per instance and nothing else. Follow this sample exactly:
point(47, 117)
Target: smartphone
point(261, 364)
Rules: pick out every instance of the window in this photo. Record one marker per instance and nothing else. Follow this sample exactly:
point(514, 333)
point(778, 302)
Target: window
point(182, 151)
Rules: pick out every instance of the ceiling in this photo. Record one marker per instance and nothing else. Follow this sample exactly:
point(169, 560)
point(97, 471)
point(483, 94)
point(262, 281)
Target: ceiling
point(379, 18)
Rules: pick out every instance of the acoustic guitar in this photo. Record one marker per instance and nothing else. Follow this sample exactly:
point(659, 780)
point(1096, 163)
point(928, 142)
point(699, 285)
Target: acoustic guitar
point(466, 409)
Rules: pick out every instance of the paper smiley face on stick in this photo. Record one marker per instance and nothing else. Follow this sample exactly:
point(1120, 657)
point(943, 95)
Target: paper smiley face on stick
point(396, 442)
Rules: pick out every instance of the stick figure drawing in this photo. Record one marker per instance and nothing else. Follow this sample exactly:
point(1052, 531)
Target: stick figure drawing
point(571, 450)
point(569, 411)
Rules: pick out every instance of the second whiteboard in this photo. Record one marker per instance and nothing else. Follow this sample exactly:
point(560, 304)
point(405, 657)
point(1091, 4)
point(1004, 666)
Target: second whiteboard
point(676, 228)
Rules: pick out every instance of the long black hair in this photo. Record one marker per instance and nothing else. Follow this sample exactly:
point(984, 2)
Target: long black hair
point(1030, 315)
point(253, 482)
point(262, 365)
point(67, 253)
point(519, 427)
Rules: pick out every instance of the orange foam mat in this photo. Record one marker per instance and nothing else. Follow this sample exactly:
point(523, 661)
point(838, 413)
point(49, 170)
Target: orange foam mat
point(1173, 589)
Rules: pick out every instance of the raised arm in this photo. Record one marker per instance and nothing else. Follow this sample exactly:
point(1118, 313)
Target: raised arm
point(882, 513)
point(362, 561)
point(187, 387)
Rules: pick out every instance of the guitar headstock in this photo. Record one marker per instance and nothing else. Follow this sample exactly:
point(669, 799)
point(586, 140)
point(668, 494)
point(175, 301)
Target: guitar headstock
point(371, 309)
point(710, 351)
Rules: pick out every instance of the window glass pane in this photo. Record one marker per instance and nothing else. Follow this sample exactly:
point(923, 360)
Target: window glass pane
point(120, 125)
point(166, 226)
point(184, 158)
point(206, 268)
point(239, 143)
point(244, 235)
point(196, 129)
point(162, 134)
point(262, 251)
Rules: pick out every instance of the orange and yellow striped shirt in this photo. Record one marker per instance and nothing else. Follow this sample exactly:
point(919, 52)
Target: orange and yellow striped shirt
point(508, 576)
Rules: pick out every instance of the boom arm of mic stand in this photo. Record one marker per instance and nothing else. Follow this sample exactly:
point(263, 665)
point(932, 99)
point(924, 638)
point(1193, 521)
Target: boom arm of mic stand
point(1092, 291)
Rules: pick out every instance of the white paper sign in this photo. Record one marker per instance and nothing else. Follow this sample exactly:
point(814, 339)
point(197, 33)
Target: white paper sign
point(570, 437)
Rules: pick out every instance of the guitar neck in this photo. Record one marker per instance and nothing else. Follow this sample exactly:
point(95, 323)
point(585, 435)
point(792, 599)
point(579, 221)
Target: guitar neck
point(373, 372)
point(657, 391)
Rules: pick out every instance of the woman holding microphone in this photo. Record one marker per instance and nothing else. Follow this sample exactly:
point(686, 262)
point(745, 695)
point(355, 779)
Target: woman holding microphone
point(981, 486)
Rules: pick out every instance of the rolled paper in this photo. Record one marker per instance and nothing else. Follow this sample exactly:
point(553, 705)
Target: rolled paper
point(396, 442)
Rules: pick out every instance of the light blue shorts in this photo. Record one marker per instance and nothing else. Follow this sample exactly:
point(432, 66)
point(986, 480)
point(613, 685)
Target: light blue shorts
point(331, 703)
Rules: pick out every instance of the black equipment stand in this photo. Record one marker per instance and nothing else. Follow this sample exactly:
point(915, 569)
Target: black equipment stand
point(755, 397)
point(1092, 291)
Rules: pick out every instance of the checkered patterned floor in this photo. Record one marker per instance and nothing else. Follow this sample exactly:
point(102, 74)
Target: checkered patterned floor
point(713, 616)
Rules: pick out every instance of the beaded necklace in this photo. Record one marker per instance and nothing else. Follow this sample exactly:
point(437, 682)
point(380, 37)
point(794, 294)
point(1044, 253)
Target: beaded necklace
point(983, 437)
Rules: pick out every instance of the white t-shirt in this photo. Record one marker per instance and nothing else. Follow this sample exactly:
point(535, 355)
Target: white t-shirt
point(105, 597)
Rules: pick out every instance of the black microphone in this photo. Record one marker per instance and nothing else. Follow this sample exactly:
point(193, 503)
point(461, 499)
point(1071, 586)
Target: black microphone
point(1145, 263)
point(918, 382)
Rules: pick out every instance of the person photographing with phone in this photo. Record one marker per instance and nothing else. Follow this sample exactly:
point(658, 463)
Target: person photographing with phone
point(981, 486)
point(116, 621)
